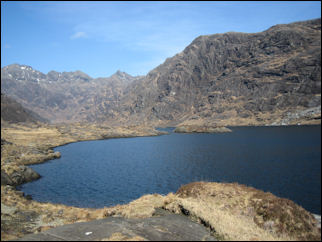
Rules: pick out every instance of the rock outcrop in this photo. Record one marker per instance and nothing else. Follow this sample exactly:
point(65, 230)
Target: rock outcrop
point(22, 175)
point(19, 176)
point(5, 179)
point(165, 227)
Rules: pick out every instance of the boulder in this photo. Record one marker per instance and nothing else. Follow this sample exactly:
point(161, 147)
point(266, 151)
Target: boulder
point(5, 179)
point(23, 175)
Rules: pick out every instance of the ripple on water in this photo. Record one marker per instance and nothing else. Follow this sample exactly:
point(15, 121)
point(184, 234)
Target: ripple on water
point(283, 160)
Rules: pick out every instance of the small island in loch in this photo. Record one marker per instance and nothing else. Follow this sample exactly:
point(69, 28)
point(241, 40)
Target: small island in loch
point(218, 82)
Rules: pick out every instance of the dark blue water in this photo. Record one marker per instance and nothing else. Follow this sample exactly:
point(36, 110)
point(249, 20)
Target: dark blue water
point(283, 160)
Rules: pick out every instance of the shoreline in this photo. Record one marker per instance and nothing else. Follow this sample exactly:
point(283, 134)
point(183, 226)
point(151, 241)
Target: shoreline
point(21, 140)
point(50, 149)
point(160, 133)
point(19, 198)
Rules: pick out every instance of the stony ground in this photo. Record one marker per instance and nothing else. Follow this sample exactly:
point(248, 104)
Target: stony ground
point(162, 226)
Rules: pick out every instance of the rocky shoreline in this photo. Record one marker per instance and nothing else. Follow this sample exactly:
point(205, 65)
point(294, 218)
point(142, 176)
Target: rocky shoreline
point(28, 143)
point(23, 145)
point(20, 145)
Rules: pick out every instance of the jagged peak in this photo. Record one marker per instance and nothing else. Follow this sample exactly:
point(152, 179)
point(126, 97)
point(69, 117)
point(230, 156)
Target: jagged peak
point(16, 65)
point(121, 73)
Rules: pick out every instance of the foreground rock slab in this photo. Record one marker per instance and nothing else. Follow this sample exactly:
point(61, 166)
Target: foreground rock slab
point(162, 227)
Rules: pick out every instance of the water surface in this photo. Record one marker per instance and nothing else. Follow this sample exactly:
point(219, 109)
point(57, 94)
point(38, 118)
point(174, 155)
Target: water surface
point(283, 160)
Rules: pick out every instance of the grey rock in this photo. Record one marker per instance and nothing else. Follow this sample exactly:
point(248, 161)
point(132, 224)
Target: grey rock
point(318, 219)
point(310, 113)
point(30, 175)
point(23, 175)
point(166, 227)
point(5, 179)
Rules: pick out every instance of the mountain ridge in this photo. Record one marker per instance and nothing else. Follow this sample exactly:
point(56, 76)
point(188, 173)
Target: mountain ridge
point(229, 78)
point(61, 96)
point(250, 64)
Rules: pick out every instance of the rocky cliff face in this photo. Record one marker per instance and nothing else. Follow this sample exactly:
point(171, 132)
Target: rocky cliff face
point(234, 78)
point(224, 79)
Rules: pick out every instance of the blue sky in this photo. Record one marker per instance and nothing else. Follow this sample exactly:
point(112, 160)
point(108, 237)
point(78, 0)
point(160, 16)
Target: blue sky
point(100, 38)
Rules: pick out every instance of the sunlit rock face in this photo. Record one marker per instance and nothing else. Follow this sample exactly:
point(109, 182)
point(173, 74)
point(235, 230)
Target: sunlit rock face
point(225, 79)
point(255, 77)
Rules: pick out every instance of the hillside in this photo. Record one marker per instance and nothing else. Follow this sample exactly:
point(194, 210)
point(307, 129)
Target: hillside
point(64, 96)
point(235, 78)
point(13, 112)
point(270, 77)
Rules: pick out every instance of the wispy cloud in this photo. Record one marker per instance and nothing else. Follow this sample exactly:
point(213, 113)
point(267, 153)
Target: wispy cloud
point(140, 35)
point(78, 35)
point(139, 26)
point(124, 35)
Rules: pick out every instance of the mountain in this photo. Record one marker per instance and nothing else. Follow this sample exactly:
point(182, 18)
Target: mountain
point(234, 79)
point(64, 96)
point(270, 77)
point(13, 112)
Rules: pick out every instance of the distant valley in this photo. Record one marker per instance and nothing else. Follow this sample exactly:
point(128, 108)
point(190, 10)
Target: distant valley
point(271, 77)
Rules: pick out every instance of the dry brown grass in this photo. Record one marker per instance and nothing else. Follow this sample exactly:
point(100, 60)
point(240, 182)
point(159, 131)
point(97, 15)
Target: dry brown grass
point(283, 216)
point(259, 119)
point(30, 144)
point(200, 129)
point(231, 211)
point(143, 207)
point(121, 237)
point(237, 212)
